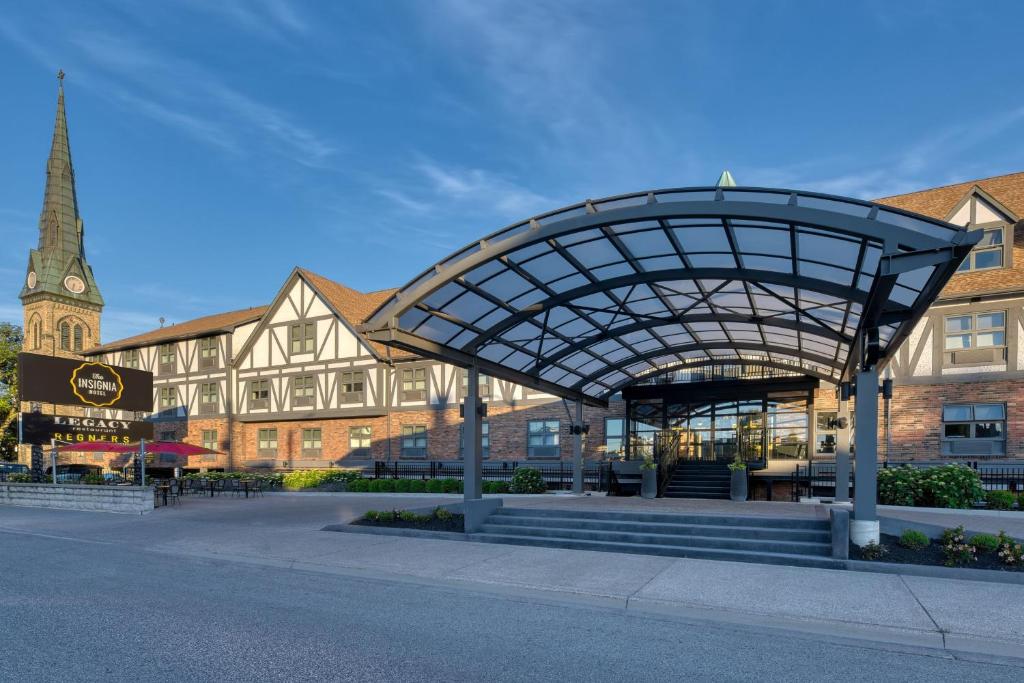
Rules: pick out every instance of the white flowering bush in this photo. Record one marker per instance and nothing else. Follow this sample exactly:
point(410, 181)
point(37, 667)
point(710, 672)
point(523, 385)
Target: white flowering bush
point(1010, 551)
point(955, 547)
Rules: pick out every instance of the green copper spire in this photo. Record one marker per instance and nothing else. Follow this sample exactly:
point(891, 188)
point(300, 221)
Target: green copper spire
point(726, 180)
point(57, 266)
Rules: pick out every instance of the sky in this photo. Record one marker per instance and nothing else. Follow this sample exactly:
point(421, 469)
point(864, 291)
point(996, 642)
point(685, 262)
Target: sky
point(217, 145)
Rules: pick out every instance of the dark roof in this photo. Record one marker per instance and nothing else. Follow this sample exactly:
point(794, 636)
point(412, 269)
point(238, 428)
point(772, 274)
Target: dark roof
point(218, 322)
point(938, 202)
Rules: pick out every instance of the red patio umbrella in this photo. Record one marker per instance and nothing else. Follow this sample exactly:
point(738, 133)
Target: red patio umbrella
point(99, 447)
point(173, 448)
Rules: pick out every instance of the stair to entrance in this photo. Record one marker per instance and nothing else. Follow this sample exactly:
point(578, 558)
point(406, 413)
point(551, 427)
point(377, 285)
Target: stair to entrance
point(802, 542)
point(696, 479)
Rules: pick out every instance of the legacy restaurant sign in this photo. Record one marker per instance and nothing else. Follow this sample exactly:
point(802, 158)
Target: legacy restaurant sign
point(84, 383)
point(40, 429)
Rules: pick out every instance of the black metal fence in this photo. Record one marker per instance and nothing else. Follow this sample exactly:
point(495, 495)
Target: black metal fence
point(558, 476)
point(820, 478)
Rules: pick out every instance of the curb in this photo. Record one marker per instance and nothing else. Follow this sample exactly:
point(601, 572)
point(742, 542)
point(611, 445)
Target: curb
point(1016, 514)
point(932, 572)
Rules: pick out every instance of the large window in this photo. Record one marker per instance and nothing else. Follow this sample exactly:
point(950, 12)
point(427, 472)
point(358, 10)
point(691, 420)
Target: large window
point(485, 442)
point(987, 254)
point(825, 431)
point(303, 337)
point(975, 338)
point(78, 337)
point(210, 439)
point(168, 398)
point(168, 359)
point(614, 441)
point(311, 441)
point(414, 384)
point(974, 429)
point(208, 398)
point(359, 440)
point(542, 439)
point(352, 387)
point(208, 352)
point(65, 337)
point(130, 358)
point(259, 393)
point(267, 441)
point(414, 441)
point(304, 390)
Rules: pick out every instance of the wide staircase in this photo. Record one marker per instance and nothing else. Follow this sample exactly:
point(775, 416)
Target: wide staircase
point(698, 479)
point(805, 542)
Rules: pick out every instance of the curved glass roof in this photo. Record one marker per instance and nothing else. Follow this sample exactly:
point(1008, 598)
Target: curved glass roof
point(585, 300)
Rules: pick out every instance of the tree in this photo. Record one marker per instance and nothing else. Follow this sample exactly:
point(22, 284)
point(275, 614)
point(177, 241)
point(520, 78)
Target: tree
point(11, 338)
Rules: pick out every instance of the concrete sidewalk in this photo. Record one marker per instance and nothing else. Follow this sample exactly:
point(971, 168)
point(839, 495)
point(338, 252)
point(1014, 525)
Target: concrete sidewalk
point(283, 532)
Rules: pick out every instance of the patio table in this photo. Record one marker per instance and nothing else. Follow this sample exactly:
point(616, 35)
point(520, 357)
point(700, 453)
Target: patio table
point(163, 490)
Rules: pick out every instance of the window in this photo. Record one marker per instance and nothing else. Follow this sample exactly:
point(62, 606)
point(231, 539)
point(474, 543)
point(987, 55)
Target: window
point(824, 431)
point(352, 387)
point(303, 337)
point(987, 254)
point(208, 352)
point(484, 385)
point(414, 441)
point(974, 429)
point(78, 337)
point(414, 384)
point(975, 338)
point(208, 398)
point(359, 439)
point(168, 436)
point(259, 393)
point(168, 398)
point(267, 442)
point(311, 441)
point(210, 439)
point(485, 442)
point(304, 390)
point(614, 427)
point(131, 358)
point(542, 439)
point(168, 362)
point(65, 337)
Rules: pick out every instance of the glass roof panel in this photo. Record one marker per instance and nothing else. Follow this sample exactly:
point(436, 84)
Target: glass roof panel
point(506, 285)
point(595, 254)
point(647, 244)
point(763, 241)
point(697, 240)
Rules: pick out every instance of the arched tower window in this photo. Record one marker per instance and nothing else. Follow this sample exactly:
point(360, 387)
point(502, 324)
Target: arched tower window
point(78, 337)
point(65, 336)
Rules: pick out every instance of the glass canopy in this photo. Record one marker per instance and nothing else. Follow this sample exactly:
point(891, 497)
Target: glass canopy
point(583, 301)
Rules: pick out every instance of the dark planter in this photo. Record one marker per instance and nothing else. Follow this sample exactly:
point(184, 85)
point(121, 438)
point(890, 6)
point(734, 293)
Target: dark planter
point(649, 485)
point(738, 485)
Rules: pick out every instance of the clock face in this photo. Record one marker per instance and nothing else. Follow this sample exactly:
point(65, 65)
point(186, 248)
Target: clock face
point(31, 280)
point(74, 284)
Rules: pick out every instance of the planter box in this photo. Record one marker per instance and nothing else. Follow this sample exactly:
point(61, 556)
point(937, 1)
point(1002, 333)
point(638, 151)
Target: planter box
point(136, 500)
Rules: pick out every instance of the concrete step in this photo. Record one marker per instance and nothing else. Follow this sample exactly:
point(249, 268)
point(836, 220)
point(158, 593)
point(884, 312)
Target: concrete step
point(670, 517)
point(703, 496)
point(684, 491)
point(683, 529)
point(662, 550)
point(753, 545)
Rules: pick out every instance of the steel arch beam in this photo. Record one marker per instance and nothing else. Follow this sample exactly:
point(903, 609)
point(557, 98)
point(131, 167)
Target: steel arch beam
point(703, 363)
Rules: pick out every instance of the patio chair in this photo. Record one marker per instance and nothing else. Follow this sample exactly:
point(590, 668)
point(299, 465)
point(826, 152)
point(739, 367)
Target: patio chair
point(218, 486)
point(236, 487)
point(256, 487)
point(174, 494)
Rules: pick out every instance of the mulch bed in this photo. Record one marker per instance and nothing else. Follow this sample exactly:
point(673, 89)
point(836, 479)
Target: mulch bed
point(932, 555)
point(454, 524)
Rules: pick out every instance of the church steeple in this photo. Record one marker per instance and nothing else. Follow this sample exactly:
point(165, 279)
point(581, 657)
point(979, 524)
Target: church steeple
point(57, 267)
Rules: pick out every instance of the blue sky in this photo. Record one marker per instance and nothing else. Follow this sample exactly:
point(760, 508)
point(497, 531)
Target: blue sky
point(219, 144)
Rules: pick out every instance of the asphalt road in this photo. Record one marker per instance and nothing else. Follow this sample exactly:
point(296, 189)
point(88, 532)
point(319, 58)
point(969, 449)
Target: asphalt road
point(86, 611)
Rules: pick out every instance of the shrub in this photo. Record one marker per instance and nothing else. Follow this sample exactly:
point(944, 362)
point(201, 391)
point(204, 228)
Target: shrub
point(900, 485)
point(873, 551)
point(417, 486)
point(443, 514)
point(408, 516)
point(1010, 551)
point(914, 539)
point(20, 477)
point(387, 485)
point(371, 515)
point(374, 486)
point(386, 517)
point(307, 479)
point(435, 486)
point(495, 487)
point(452, 485)
point(951, 486)
point(527, 480)
point(955, 547)
point(359, 485)
point(1000, 500)
point(403, 485)
point(986, 543)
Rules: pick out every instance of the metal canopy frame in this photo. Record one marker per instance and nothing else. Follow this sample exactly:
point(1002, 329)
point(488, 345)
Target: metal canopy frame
point(583, 301)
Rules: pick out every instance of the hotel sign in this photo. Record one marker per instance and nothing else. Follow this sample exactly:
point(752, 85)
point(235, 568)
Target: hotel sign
point(40, 429)
point(65, 381)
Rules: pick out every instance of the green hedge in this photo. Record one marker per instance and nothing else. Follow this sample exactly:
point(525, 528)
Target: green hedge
point(265, 477)
point(944, 486)
point(308, 479)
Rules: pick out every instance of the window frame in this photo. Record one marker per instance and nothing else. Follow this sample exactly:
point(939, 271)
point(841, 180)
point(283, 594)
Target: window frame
point(65, 336)
point(206, 440)
point(994, 446)
point(301, 336)
point(621, 437)
point(346, 383)
point(308, 383)
point(268, 436)
point(1003, 248)
point(261, 402)
point(312, 435)
point(207, 407)
point(414, 433)
point(167, 351)
point(208, 353)
point(163, 404)
point(365, 433)
point(78, 338)
point(485, 384)
point(553, 450)
point(417, 392)
point(973, 354)
point(826, 431)
point(485, 450)
point(130, 358)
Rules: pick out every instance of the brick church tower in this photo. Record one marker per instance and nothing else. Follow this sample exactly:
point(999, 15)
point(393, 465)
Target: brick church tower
point(60, 299)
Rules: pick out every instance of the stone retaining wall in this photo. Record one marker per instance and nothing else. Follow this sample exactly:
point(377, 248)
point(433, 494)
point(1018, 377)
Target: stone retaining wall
point(125, 499)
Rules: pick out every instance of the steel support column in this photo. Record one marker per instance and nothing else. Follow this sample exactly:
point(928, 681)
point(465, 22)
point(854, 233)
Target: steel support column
point(843, 446)
point(472, 437)
point(577, 451)
point(864, 527)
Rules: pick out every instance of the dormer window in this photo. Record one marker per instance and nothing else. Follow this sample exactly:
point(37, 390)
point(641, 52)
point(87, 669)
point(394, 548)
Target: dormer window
point(987, 254)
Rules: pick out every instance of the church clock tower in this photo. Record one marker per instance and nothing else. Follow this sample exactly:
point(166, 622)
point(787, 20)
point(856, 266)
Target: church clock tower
point(60, 299)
